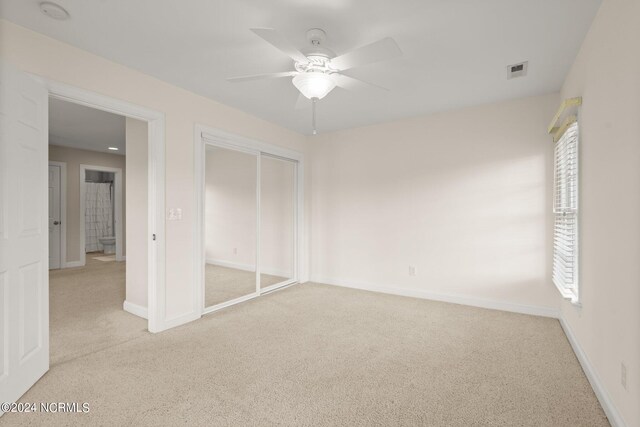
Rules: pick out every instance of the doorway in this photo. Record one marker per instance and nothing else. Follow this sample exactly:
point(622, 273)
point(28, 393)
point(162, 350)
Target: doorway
point(101, 211)
point(153, 197)
point(90, 297)
point(249, 203)
point(57, 196)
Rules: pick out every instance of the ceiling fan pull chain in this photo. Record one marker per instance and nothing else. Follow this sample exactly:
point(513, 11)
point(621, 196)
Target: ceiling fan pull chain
point(313, 115)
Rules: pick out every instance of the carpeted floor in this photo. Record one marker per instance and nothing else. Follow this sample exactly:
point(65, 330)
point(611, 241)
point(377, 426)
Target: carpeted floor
point(313, 355)
point(224, 284)
point(85, 310)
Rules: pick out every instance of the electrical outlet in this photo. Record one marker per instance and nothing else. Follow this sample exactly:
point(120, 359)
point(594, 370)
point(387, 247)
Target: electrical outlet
point(623, 375)
point(235, 251)
point(412, 270)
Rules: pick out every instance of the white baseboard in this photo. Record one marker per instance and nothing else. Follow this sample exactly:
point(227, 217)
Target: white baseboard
point(73, 264)
point(181, 319)
point(452, 298)
point(245, 267)
point(603, 396)
point(136, 309)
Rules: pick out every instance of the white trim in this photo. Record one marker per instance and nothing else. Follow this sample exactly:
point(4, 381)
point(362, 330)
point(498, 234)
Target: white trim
point(615, 418)
point(63, 211)
point(209, 136)
point(74, 264)
point(156, 187)
point(236, 142)
point(258, 221)
point(117, 218)
point(181, 319)
point(211, 309)
point(278, 286)
point(444, 297)
point(136, 309)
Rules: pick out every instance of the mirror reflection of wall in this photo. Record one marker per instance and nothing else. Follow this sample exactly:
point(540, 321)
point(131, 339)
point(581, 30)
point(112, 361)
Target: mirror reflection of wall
point(230, 219)
point(277, 220)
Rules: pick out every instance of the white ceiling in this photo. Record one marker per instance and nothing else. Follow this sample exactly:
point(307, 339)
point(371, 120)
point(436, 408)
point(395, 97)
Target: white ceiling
point(77, 126)
point(455, 51)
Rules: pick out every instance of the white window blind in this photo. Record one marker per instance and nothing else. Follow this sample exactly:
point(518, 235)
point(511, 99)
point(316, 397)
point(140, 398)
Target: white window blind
point(565, 209)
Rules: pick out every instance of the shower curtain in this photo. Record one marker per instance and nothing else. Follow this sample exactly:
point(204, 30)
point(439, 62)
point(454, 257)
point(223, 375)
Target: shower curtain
point(98, 214)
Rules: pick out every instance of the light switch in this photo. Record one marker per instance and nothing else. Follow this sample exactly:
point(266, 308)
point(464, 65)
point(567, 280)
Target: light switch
point(175, 214)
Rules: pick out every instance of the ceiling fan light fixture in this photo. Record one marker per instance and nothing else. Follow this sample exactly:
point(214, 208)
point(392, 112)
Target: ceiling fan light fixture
point(314, 85)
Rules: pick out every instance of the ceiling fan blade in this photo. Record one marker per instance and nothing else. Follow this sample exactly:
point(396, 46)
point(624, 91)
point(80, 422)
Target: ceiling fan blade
point(262, 76)
point(276, 39)
point(351, 83)
point(381, 50)
point(302, 103)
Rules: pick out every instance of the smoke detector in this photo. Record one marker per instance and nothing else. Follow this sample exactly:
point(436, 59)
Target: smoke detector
point(517, 70)
point(54, 11)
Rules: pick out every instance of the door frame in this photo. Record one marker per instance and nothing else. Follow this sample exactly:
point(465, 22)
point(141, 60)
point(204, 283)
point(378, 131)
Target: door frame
point(63, 211)
point(156, 273)
point(117, 217)
point(204, 136)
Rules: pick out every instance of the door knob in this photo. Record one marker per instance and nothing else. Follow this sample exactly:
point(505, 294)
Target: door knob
point(56, 222)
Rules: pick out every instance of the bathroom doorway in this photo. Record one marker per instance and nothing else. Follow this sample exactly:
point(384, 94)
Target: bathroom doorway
point(101, 212)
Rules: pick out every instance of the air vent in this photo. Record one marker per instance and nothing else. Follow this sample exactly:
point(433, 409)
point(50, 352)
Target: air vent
point(517, 70)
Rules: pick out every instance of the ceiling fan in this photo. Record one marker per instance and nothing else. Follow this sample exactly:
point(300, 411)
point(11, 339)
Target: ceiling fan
point(317, 69)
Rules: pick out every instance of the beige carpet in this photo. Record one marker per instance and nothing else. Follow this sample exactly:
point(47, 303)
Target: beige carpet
point(317, 355)
point(107, 258)
point(85, 310)
point(224, 284)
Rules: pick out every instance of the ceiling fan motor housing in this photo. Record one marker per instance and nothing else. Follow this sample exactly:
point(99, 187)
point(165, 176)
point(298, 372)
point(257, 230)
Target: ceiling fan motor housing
point(316, 36)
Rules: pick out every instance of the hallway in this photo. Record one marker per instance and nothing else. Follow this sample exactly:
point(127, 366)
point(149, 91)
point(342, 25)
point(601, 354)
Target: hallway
point(86, 312)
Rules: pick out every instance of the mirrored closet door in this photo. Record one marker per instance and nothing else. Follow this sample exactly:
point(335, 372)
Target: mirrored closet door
point(277, 221)
point(250, 223)
point(230, 225)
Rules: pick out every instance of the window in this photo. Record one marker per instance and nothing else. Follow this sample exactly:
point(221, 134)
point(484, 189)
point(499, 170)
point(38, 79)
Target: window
point(565, 210)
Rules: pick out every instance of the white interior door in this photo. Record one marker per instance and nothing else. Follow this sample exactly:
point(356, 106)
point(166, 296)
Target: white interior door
point(54, 217)
point(24, 282)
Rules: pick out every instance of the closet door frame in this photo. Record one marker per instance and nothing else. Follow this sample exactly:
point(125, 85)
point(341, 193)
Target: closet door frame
point(206, 136)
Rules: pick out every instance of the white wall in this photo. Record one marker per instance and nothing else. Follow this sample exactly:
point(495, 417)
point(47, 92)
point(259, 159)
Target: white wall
point(464, 196)
point(41, 55)
point(74, 158)
point(230, 211)
point(137, 212)
point(606, 74)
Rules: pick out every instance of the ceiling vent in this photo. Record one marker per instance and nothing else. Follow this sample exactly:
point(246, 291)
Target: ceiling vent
point(517, 70)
